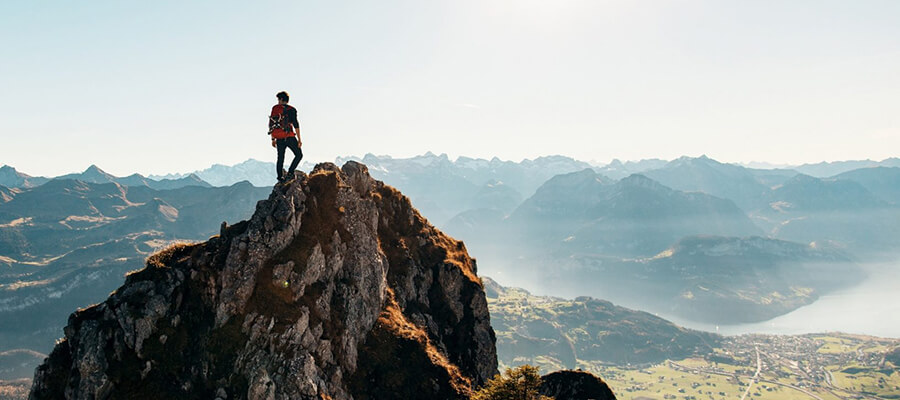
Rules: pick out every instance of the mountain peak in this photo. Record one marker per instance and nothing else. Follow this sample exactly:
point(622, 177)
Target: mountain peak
point(687, 160)
point(94, 169)
point(639, 180)
point(336, 287)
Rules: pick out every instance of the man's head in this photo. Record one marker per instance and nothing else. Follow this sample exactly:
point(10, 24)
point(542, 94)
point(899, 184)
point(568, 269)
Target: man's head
point(283, 97)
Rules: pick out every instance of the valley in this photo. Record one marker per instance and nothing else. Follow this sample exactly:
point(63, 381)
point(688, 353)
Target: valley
point(774, 253)
point(665, 361)
point(812, 366)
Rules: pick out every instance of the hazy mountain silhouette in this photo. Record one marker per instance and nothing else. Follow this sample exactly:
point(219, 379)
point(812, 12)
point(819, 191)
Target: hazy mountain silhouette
point(495, 195)
point(826, 169)
point(94, 174)
point(440, 187)
point(629, 240)
point(637, 216)
point(808, 209)
point(883, 182)
point(719, 280)
point(617, 169)
point(258, 173)
point(443, 188)
point(11, 178)
point(795, 206)
point(805, 192)
point(703, 174)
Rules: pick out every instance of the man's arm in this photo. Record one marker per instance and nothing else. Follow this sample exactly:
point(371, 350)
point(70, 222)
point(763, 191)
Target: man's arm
point(271, 114)
point(296, 124)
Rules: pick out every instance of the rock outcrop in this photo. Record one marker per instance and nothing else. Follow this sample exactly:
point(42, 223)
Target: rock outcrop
point(575, 385)
point(336, 288)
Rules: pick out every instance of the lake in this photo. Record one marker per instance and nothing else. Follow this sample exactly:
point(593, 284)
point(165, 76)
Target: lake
point(870, 308)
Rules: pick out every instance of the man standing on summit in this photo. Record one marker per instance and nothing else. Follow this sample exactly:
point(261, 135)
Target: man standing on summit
point(285, 131)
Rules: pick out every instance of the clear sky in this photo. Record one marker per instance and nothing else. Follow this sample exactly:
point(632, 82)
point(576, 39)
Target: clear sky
point(174, 86)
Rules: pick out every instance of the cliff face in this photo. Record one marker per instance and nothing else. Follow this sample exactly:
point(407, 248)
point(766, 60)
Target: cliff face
point(335, 288)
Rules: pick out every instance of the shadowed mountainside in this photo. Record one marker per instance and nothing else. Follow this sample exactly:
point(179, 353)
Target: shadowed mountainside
point(555, 333)
point(68, 244)
point(883, 182)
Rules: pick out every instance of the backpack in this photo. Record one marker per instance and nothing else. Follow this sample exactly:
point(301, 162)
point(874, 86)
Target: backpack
point(279, 122)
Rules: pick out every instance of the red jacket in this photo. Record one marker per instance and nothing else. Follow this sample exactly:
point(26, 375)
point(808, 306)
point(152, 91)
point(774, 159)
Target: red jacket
point(290, 118)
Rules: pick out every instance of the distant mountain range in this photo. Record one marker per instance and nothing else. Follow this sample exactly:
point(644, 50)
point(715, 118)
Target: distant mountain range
point(11, 178)
point(842, 211)
point(258, 173)
point(828, 169)
point(524, 176)
point(745, 186)
point(690, 237)
point(636, 216)
point(618, 169)
point(554, 222)
point(68, 243)
point(442, 188)
point(883, 182)
point(625, 240)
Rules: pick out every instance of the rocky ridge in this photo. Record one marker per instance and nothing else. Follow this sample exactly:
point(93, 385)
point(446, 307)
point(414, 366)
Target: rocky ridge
point(335, 288)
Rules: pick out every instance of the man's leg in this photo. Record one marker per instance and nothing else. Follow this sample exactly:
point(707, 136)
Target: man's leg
point(298, 154)
point(279, 166)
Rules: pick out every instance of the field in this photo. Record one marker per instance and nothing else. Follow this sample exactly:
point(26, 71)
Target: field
point(822, 366)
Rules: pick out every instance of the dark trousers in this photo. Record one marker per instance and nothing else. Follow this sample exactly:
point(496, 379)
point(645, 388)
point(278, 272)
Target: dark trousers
point(288, 143)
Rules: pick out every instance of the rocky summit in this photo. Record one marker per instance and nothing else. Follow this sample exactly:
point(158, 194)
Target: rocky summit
point(336, 288)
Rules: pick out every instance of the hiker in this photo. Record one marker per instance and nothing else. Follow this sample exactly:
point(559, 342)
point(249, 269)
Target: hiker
point(285, 131)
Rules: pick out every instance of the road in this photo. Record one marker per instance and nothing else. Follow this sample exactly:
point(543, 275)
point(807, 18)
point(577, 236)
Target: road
point(755, 377)
point(697, 370)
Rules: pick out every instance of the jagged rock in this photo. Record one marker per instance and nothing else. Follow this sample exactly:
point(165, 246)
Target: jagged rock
point(575, 385)
point(335, 288)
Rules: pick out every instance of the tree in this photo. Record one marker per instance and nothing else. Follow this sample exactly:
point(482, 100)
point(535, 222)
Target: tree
point(520, 383)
